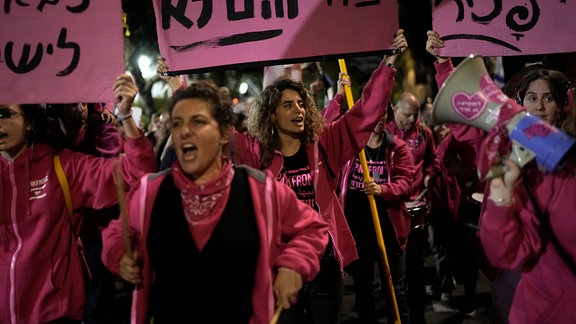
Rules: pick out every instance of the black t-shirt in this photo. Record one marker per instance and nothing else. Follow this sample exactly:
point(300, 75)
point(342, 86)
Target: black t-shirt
point(357, 208)
point(296, 174)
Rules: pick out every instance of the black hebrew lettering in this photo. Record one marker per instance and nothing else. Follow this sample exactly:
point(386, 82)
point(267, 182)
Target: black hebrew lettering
point(344, 2)
point(45, 2)
point(8, 5)
point(178, 13)
point(292, 9)
point(81, 7)
point(358, 4)
point(234, 14)
point(75, 53)
point(367, 3)
point(513, 19)
point(292, 6)
point(490, 16)
point(460, 15)
point(266, 10)
point(84, 4)
point(230, 40)
point(523, 13)
point(205, 14)
point(279, 8)
point(25, 63)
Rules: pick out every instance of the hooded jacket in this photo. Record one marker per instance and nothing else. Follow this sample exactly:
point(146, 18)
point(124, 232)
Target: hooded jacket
point(291, 235)
point(513, 236)
point(400, 165)
point(421, 143)
point(41, 269)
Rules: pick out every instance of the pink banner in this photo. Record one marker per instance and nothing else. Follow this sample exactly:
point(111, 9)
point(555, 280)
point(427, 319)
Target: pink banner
point(197, 35)
point(505, 28)
point(60, 51)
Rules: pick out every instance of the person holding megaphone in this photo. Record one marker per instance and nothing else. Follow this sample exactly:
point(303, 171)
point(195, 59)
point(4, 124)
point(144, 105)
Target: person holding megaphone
point(525, 215)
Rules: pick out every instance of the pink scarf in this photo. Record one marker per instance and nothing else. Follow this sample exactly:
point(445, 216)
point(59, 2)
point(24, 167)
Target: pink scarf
point(204, 204)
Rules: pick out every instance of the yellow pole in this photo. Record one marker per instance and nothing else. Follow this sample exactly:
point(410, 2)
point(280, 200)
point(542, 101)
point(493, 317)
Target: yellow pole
point(276, 316)
point(374, 210)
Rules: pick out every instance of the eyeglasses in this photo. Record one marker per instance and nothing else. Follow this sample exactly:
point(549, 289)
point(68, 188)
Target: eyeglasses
point(6, 114)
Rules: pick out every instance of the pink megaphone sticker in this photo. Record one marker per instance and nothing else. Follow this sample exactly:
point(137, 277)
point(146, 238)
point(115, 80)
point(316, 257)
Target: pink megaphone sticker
point(537, 129)
point(469, 106)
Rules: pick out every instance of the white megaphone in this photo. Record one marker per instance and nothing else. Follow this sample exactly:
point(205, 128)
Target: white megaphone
point(470, 97)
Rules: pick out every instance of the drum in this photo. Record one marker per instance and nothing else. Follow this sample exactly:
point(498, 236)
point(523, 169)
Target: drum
point(419, 212)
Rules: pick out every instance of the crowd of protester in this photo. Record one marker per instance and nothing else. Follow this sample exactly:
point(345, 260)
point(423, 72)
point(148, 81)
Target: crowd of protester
point(255, 213)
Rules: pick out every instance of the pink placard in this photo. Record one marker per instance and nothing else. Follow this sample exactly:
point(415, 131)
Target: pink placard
point(505, 28)
point(60, 51)
point(196, 35)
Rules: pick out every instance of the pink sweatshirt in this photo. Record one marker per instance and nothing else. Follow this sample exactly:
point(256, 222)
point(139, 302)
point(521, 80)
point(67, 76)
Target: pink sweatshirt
point(342, 140)
point(291, 235)
point(41, 277)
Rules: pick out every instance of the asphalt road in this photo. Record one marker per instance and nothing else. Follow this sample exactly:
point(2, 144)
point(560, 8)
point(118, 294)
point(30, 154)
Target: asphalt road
point(437, 312)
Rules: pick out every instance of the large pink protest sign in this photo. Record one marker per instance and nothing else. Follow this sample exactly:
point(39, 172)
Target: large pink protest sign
point(505, 28)
point(60, 51)
point(199, 35)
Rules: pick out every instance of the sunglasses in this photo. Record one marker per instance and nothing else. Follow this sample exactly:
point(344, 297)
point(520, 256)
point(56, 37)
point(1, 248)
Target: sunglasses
point(6, 114)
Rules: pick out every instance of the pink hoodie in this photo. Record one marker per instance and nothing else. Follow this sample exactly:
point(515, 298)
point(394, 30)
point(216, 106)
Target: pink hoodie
point(41, 276)
point(291, 235)
point(342, 140)
point(512, 237)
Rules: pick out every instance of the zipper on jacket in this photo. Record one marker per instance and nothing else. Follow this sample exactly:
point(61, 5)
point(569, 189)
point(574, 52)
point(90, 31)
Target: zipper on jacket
point(12, 290)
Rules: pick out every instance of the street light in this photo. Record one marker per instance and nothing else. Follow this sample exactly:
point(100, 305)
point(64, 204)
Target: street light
point(144, 63)
point(243, 88)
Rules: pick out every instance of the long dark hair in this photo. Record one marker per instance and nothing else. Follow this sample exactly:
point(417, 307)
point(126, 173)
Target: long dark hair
point(569, 125)
point(260, 123)
point(559, 85)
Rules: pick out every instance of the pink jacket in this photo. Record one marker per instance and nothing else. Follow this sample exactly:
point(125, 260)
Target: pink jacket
point(342, 140)
point(423, 151)
point(401, 173)
point(512, 236)
point(449, 188)
point(41, 276)
point(286, 241)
